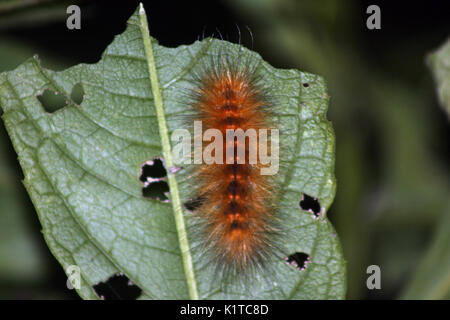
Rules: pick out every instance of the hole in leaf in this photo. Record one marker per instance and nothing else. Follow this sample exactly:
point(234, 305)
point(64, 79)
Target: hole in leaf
point(52, 101)
point(310, 204)
point(298, 259)
point(156, 190)
point(194, 204)
point(152, 169)
point(152, 175)
point(306, 85)
point(117, 287)
point(77, 94)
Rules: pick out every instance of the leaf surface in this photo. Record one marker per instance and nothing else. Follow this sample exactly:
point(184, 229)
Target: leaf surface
point(82, 166)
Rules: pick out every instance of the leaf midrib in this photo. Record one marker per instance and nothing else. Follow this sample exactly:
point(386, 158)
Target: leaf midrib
point(165, 142)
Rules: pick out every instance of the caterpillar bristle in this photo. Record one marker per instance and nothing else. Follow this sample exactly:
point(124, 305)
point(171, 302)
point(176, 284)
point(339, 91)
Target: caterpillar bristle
point(237, 215)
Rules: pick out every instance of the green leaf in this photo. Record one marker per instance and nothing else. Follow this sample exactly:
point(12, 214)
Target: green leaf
point(432, 278)
point(16, 240)
point(82, 165)
point(439, 62)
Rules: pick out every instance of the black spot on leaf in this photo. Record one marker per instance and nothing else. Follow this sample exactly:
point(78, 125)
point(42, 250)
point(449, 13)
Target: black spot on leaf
point(310, 204)
point(117, 287)
point(306, 85)
point(298, 259)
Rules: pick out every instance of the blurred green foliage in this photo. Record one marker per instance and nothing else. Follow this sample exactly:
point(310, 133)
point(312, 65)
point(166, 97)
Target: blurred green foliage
point(19, 255)
point(393, 189)
point(31, 12)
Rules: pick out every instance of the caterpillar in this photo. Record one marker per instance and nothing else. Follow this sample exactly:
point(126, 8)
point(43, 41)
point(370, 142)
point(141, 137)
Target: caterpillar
point(235, 202)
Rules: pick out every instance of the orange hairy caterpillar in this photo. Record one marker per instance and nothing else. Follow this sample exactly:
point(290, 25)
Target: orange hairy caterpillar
point(235, 203)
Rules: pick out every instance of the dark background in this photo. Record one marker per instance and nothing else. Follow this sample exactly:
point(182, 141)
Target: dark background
point(391, 134)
